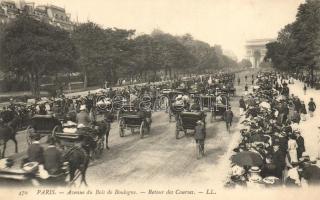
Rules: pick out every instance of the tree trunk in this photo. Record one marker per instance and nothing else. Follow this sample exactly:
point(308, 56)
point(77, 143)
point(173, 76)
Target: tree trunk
point(85, 79)
point(34, 84)
point(170, 73)
point(312, 75)
point(37, 85)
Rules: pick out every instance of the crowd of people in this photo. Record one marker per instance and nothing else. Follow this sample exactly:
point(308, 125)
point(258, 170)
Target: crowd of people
point(272, 150)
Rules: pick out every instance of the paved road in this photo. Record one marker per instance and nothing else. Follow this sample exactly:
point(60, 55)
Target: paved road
point(160, 157)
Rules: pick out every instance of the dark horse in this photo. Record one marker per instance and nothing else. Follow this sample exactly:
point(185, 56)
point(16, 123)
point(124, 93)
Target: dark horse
point(8, 132)
point(78, 160)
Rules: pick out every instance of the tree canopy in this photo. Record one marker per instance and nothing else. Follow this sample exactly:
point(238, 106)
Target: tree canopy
point(32, 48)
point(298, 44)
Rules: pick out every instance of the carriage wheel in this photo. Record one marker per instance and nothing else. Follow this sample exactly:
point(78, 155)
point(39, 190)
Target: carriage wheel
point(28, 135)
point(55, 129)
point(142, 129)
point(121, 128)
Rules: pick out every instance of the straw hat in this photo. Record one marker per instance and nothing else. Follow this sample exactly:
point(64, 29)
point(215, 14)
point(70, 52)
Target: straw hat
point(255, 169)
point(83, 107)
point(81, 126)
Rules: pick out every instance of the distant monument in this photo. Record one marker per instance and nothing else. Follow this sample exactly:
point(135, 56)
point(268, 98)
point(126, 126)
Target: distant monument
point(256, 51)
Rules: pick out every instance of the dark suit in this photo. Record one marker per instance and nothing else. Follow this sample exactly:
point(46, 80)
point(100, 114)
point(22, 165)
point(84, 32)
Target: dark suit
point(35, 153)
point(52, 160)
point(301, 147)
point(199, 136)
point(278, 158)
point(228, 116)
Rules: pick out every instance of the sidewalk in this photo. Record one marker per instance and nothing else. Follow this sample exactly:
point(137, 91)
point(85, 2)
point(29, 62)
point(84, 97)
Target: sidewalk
point(309, 128)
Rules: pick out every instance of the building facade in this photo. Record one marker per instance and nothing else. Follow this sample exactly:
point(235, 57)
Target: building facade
point(50, 14)
point(256, 51)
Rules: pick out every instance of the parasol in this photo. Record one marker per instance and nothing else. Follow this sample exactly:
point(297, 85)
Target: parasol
point(247, 158)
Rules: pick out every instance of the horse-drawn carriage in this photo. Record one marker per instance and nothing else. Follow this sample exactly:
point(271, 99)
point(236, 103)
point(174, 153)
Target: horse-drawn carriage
point(30, 174)
point(219, 106)
point(44, 125)
point(229, 90)
point(135, 120)
point(171, 97)
point(188, 121)
point(74, 164)
point(90, 139)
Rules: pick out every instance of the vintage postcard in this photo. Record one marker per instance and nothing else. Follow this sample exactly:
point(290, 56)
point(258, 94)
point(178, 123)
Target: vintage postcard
point(159, 99)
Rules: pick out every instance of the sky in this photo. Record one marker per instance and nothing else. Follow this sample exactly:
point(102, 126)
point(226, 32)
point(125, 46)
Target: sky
point(228, 23)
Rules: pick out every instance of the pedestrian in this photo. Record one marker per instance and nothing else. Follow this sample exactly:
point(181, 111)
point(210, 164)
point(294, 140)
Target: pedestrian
point(278, 159)
point(242, 106)
point(238, 80)
point(303, 111)
point(311, 107)
point(295, 118)
point(300, 143)
point(200, 136)
point(305, 89)
point(228, 116)
point(252, 82)
point(246, 77)
point(292, 148)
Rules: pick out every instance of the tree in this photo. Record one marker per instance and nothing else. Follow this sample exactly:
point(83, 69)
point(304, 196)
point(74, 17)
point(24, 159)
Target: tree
point(34, 49)
point(298, 44)
point(245, 63)
point(88, 39)
point(306, 34)
point(102, 51)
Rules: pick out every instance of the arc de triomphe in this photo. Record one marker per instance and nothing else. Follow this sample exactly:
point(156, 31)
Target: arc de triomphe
point(256, 51)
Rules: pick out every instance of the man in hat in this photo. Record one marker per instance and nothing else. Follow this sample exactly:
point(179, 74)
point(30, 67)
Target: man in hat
point(312, 107)
point(52, 157)
point(83, 118)
point(300, 143)
point(278, 158)
point(35, 150)
point(199, 136)
point(228, 116)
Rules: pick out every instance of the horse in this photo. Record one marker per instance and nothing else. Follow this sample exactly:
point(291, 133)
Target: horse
point(78, 160)
point(8, 132)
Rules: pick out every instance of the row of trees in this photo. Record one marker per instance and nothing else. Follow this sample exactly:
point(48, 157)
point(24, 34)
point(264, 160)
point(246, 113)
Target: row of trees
point(298, 44)
point(30, 50)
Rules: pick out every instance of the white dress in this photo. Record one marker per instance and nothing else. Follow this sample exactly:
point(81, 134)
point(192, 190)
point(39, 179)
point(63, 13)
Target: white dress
point(292, 149)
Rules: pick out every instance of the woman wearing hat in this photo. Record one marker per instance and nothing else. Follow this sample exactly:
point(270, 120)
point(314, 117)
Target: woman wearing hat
point(83, 118)
point(303, 111)
point(292, 148)
point(254, 177)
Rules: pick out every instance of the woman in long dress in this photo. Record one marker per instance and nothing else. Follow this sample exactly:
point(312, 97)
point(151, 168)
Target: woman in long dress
point(292, 148)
